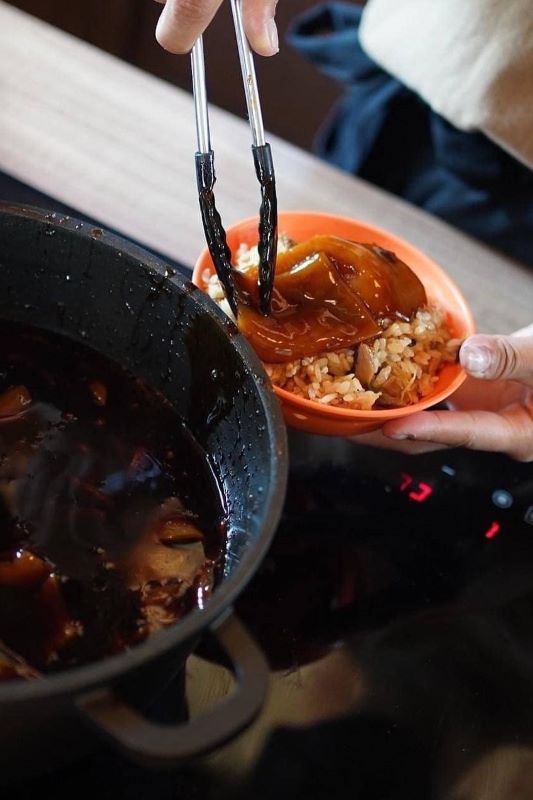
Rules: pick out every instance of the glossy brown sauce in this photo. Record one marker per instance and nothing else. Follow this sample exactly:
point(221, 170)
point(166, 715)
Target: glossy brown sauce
point(329, 293)
point(111, 520)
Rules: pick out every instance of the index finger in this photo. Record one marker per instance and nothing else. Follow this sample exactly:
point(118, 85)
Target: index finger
point(183, 21)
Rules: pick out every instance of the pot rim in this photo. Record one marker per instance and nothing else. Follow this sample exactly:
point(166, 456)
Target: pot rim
point(109, 669)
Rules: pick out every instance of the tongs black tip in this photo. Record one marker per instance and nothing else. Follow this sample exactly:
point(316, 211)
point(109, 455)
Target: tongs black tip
point(268, 224)
point(215, 234)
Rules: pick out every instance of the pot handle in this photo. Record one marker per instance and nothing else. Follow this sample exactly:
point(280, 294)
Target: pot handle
point(156, 745)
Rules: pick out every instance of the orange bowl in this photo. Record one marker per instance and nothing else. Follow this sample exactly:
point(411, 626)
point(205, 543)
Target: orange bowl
point(309, 415)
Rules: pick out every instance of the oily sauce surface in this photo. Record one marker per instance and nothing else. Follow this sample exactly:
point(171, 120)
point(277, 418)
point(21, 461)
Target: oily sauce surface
point(329, 293)
point(111, 520)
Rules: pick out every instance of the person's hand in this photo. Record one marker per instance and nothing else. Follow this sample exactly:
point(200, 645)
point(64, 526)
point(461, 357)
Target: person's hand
point(493, 410)
point(182, 21)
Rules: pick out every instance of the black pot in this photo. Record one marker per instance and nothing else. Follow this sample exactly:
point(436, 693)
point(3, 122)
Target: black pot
point(91, 286)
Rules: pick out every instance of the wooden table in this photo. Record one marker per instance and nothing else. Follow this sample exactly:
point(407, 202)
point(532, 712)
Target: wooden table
point(118, 144)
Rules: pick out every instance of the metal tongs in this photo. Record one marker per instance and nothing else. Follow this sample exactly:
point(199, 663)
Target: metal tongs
point(205, 173)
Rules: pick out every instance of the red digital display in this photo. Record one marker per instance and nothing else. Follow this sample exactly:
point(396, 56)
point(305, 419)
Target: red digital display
point(422, 493)
point(493, 531)
point(406, 481)
point(419, 493)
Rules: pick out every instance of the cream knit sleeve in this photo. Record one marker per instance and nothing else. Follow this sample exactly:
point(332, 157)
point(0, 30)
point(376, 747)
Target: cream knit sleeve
point(470, 60)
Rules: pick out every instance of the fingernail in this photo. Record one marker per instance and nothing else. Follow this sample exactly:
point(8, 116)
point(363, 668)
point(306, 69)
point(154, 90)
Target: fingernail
point(476, 359)
point(272, 33)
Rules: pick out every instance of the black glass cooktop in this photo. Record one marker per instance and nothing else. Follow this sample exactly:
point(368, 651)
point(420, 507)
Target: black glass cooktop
point(369, 536)
point(422, 569)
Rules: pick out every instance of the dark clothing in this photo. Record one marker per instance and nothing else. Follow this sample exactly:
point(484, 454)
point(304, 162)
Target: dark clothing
point(384, 133)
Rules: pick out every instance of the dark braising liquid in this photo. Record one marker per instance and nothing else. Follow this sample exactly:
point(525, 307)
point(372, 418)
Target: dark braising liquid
point(111, 520)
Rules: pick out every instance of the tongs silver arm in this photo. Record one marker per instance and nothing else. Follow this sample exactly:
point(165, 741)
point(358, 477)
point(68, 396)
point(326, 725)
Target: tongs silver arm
point(249, 78)
point(199, 90)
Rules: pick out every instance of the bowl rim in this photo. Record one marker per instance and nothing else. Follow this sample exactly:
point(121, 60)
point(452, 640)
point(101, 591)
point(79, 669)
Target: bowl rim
point(311, 407)
point(107, 671)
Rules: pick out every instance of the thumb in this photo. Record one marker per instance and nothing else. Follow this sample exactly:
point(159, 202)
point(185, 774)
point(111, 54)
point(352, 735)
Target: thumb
point(499, 357)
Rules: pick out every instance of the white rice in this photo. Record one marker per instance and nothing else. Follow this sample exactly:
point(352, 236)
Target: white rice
point(395, 369)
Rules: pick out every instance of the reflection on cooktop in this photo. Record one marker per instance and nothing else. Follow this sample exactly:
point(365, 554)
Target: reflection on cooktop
point(423, 567)
point(369, 536)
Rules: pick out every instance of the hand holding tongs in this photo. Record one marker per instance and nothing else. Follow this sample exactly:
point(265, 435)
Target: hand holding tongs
point(205, 173)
